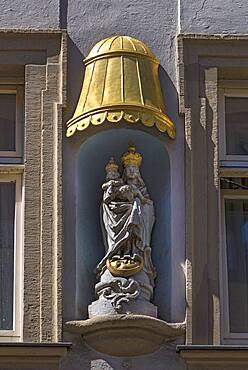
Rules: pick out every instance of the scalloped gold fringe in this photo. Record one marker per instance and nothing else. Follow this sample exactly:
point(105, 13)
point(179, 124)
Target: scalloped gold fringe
point(162, 124)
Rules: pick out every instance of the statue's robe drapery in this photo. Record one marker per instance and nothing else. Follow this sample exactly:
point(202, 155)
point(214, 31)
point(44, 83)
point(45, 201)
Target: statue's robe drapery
point(127, 224)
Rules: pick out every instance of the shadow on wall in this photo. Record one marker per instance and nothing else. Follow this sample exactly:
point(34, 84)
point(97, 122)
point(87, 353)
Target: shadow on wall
point(93, 155)
point(170, 97)
point(75, 74)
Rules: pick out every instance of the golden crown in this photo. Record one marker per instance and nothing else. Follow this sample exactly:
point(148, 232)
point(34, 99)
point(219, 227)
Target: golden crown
point(131, 157)
point(111, 166)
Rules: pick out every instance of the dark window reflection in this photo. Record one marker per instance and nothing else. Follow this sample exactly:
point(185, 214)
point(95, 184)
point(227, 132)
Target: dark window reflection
point(236, 119)
point(236, 213)
point(7, 122)
point(7, 217)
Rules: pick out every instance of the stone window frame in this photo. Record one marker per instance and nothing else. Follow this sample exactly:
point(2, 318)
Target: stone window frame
point(42, 54)
point(201, 58)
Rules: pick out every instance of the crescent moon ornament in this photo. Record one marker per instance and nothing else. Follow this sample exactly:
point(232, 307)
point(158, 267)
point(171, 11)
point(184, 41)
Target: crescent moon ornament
point(125, 266)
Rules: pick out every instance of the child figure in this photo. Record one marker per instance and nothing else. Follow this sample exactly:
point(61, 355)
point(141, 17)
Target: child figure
point(113, 182)
point(115, 189)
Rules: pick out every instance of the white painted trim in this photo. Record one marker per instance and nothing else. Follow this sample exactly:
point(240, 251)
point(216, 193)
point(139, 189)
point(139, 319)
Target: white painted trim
point(227, 335)
point(239, 160)
point(18, 90)
point(179, 16)
point(16, 333)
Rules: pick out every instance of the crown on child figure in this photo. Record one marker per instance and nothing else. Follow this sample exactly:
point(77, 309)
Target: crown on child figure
point(111, 166)
point(131, 156)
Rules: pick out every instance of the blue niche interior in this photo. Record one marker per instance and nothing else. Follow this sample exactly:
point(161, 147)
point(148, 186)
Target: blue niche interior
point(93, 155)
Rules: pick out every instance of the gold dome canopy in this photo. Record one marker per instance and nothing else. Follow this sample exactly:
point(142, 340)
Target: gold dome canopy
point(120, 44)
point(121, 82)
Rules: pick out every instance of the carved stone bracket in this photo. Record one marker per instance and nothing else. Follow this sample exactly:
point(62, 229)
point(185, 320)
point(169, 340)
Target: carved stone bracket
point(126, 335)
point(119, 291)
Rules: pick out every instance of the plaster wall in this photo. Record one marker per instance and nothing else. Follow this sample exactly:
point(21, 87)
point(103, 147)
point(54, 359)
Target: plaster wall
point(100, 17)
point(30, 14)
point(211, 16)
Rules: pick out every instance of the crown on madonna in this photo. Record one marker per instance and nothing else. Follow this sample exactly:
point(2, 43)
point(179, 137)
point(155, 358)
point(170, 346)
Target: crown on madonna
point(111, 166)
point(131, 157)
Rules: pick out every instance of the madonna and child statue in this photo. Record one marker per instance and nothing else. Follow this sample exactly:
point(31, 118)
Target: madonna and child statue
point(126, 272)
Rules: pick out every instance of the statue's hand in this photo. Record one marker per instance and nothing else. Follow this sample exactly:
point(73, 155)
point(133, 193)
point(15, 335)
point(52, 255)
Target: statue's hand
point(126, 193)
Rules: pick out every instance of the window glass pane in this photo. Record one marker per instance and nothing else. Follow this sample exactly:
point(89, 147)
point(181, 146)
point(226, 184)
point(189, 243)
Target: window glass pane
point(7, 217)
point(7, 122)
point(236, 213)
point(236, 119)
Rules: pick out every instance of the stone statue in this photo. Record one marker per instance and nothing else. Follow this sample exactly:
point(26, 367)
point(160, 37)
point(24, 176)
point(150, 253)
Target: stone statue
point(127, 216)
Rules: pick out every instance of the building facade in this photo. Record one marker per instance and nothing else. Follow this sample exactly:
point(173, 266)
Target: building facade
point(50, 183)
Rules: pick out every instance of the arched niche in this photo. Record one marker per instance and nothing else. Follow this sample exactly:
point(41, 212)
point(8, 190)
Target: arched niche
point(93, 155)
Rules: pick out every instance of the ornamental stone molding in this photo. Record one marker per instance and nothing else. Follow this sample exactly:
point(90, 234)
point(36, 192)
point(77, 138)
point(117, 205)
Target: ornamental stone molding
point(41, 58)
point(205, 62)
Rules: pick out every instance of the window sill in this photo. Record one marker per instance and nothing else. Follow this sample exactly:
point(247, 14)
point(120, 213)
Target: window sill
point(15, 354)
point(9, 338)
point(11, 168)
point(208, 355)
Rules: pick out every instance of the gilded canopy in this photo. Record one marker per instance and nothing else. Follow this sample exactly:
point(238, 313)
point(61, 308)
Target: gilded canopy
point(121, 82)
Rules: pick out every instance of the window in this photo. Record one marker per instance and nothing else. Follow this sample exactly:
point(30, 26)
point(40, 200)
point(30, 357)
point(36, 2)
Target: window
point(11, 139)
point(235, 256)
point(236, 235)
point(10, 255)
point(7, 232)
point(8, 122)
point(11, 123)
point(234, 127)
